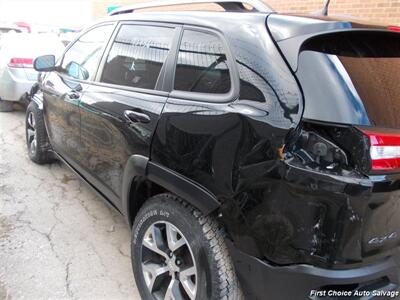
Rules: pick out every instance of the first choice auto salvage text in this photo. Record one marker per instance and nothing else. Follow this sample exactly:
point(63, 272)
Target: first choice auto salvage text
point(344, 293)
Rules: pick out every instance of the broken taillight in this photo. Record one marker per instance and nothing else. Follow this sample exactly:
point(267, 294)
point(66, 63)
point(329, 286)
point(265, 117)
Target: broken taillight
point(18, 62)
point(384, 149)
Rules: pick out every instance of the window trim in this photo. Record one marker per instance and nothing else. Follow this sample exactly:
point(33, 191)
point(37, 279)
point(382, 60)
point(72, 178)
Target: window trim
point(230, 96)
point(61, 61)
point(129, 88)
point(160, 88)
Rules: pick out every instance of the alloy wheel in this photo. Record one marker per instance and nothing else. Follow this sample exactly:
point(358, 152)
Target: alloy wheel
point(31, 131)
point(168, 264)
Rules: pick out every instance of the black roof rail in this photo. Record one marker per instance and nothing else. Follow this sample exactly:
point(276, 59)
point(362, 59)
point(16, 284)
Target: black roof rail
point(228, 5)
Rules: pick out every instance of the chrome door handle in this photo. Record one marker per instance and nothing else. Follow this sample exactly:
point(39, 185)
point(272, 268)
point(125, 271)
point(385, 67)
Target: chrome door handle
point(136, 117)
point(74, 95)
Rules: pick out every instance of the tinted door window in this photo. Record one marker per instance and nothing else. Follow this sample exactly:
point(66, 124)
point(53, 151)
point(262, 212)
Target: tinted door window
point(202, 64)
point(82, 59)
point(137, 56)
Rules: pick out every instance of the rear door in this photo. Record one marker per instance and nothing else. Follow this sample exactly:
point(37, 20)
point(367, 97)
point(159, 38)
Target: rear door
point(63, 89)
point(120, 111)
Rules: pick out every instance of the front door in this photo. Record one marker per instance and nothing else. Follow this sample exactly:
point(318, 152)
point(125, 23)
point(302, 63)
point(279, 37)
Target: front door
point(63, 90)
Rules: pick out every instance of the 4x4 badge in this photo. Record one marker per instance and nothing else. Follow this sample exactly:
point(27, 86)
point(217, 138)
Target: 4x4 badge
point(381, 240)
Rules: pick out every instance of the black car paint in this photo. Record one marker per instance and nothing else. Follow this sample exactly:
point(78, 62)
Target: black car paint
point(301, 281)
point(63, 118)
point(299, 29)
point(233, 152)
point(109, 138)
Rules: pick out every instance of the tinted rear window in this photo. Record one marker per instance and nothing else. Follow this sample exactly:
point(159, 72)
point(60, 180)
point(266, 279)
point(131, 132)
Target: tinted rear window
point(202, 64)
point(363, 67)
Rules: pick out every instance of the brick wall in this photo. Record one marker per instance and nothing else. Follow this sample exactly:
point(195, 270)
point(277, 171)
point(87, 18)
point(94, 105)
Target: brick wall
point(381, 11)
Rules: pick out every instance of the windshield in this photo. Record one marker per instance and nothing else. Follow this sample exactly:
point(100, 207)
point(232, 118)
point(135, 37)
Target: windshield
point(352, 78)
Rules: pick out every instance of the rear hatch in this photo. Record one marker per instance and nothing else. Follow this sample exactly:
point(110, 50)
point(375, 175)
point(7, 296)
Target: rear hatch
point(353, 78)
point(350, 78)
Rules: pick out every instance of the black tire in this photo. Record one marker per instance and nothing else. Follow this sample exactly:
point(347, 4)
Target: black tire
point(215, 275)
point(6, 106)
point(37, 140)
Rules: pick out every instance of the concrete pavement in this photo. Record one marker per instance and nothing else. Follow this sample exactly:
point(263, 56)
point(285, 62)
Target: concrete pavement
point(58, 240)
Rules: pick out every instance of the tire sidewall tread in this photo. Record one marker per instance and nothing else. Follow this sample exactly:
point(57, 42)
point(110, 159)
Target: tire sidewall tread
point(43, 154)
point(213, 262)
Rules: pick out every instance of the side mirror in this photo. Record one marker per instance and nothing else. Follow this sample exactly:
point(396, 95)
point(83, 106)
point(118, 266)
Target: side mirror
point(77, 71)
point(45, 63)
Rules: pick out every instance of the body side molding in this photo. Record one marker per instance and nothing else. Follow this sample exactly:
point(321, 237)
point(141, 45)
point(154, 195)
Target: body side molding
point(135, 167)
point(183, 187)
point(139, 166)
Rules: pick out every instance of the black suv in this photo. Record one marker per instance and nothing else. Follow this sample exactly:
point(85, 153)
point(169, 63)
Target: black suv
point(254, 154)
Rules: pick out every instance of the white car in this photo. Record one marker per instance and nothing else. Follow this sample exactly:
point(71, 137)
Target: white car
point(17, 53)
point(5, 28)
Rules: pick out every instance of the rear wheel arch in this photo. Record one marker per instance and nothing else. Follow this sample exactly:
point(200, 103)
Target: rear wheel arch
point(144, 179)
point(141, 190)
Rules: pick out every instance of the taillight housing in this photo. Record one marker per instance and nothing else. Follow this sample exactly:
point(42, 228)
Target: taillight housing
point(384, 149)
point(394, 28)
point(18, 62)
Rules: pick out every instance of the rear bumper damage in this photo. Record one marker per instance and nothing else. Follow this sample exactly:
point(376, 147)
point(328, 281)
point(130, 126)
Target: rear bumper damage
point(15, 83)
point(261, 280)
